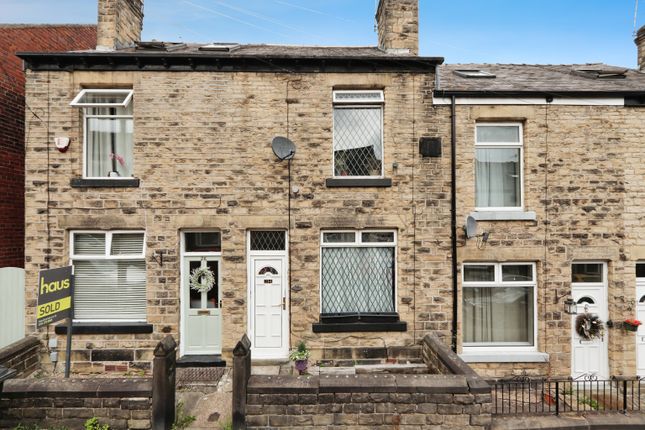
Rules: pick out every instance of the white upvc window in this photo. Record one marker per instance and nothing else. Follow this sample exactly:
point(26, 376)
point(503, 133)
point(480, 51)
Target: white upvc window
point(108, 132)
point(109, 275)
point(499, 307)
point(358, 134)
point(358, 272)
point(499, 169)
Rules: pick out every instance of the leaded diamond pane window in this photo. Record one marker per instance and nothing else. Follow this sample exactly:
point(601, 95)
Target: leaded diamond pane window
point(268, 240)
point(358, 134)
point(358, 277)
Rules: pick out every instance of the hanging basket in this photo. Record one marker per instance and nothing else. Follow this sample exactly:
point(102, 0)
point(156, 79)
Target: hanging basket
point(631, 324)
point(590, 326)
point(202, 280)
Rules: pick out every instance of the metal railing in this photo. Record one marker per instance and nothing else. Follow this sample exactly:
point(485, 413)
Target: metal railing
point(523, 395)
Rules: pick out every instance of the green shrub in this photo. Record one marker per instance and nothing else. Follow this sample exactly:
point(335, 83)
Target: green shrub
point(182, 420)
point(94, 424)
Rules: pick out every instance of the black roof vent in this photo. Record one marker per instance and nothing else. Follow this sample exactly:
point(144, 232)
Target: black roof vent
point(160, 46)
point(474, 74)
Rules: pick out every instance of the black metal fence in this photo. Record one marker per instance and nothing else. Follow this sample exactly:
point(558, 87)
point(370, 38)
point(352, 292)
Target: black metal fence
point(555, 396)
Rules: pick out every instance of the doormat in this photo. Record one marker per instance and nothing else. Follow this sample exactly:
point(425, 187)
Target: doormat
point(199, 375)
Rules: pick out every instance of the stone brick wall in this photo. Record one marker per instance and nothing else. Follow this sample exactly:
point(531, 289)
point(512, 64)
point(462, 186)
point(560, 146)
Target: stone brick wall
point(119, 23)
point(398, 25)
point(581, 177)
point(22, 356)
point(15, 38)
point(121, 403)
point(367, 402)
point(202, 153)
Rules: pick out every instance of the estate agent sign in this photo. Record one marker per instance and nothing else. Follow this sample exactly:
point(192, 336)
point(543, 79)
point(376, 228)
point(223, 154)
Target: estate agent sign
point(55, 288)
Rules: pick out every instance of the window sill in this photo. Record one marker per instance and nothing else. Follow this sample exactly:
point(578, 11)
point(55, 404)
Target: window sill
point(104, 183)
point(358, 182)
point(505, 357)
point(347, 323)
point(106, 328)
point(504, 216)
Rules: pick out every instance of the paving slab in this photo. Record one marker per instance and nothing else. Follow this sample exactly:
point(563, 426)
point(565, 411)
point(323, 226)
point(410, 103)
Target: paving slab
point(546, 422)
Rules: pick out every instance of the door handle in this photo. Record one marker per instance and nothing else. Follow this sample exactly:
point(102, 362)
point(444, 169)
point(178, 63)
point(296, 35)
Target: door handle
point(220, 303)
point(284, 303)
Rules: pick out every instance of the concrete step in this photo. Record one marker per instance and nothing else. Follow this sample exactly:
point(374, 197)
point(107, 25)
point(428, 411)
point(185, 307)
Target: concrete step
point(409, 368)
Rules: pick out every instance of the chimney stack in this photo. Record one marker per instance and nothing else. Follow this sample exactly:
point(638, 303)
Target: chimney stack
point(398, 26)
point(120, 24)
point(640, 43)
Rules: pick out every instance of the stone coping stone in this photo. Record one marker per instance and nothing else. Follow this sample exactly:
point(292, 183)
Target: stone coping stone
point(93, 388)
point(282, 384)
point(358, 384)
point(18, 348)
point(449, 359)
point(478, 385)
point(435, 384)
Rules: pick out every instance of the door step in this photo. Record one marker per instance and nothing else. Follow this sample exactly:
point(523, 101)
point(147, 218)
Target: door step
point(201, 361)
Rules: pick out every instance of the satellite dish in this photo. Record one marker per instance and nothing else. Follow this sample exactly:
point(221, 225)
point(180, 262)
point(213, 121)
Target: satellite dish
point(471, 227)
point(283, 148)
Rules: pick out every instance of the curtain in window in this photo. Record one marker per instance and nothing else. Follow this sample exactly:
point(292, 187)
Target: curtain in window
point(497, 172)
point(109, 143)
point(357, 280)
point(498, 315)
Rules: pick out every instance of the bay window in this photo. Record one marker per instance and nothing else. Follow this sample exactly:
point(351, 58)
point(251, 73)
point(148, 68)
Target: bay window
point(109, 275)
point(499, 301)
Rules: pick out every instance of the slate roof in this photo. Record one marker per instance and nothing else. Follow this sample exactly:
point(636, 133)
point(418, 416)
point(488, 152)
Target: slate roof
point(540, 78)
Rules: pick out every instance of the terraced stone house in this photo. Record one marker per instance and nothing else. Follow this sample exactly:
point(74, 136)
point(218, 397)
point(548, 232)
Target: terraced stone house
point(347, 244)
point(170, 170)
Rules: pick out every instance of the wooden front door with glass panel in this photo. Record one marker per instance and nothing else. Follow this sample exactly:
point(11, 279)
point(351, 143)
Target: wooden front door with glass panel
point(201, 297)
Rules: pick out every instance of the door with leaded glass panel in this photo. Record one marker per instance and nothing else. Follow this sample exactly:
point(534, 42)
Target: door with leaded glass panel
point(201, 333)
point(268, 294)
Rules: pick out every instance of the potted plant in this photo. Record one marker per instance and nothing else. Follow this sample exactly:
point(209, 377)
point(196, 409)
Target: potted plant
point(300, 357)
point(631, 324)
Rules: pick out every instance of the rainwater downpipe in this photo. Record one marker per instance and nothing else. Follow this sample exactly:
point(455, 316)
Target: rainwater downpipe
point(453, 216)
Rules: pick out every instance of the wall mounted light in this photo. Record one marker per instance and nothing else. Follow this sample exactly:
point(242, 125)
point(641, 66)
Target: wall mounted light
point(570, 307)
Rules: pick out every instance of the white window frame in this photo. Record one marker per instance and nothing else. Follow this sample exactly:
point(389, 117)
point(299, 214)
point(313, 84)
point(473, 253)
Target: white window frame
point(357, 104)
point(602, 283)
point(500, 145)
point(106, 256)
point(358, 243)
point(471, 347)
point(87, 116)
point(126, 101)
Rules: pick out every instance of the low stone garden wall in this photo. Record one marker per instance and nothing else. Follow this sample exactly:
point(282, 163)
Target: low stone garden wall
point(23, 356)
point(366, 402)
point(55, 402)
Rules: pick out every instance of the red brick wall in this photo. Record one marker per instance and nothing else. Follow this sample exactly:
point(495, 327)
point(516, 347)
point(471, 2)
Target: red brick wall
point(15, 38)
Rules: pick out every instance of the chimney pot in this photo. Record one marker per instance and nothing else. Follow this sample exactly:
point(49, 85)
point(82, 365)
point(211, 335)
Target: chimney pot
point(398, 26)
point(119, 24)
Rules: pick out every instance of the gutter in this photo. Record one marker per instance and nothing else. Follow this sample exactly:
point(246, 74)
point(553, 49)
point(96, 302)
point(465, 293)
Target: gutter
point(453, 217)
point(538, 93)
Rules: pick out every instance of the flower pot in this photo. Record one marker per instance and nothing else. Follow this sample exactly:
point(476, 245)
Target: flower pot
point(630, 327)
point(301, 366)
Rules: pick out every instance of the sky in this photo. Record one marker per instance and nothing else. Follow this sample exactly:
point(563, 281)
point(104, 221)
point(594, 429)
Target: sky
point(462, 31)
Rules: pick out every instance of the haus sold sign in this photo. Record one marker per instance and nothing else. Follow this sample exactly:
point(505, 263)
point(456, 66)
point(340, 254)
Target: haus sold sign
point(55, 288)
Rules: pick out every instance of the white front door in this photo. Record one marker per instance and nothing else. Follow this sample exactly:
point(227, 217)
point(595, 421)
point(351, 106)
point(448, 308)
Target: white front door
point(589, 356)
point(202, 333)
point(640, 335)
point(268, 295)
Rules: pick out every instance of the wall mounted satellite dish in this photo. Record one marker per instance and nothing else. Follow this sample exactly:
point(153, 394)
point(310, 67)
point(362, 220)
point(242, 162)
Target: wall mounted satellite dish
point(471, 227)
point(283, 148)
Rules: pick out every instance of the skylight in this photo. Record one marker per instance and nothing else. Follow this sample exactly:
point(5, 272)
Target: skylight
point(160, 46)
point(223, 47)
point(602, 73)
point(473, 73)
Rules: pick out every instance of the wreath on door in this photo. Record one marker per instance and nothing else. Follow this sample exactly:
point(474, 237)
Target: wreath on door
point(202, 280)
point(590, 326)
